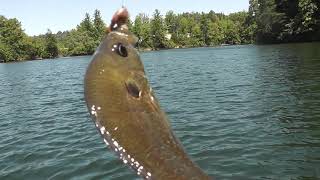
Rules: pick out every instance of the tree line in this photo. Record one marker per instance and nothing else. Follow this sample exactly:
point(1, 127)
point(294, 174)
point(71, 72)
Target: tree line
point(283, 21)
point(16, 45)
point(266, 21)
point(191, 29)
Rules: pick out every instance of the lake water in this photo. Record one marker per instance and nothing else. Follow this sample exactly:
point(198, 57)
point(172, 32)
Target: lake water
point(241, 112)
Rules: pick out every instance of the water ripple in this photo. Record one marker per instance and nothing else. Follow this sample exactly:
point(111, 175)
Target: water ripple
point(242, 112)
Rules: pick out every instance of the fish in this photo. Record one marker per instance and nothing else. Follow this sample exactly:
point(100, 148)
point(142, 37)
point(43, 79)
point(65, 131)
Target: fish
point(126, 112)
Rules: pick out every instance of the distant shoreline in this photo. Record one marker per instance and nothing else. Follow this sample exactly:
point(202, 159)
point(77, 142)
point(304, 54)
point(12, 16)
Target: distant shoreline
point(144, 50)
point(141, 50)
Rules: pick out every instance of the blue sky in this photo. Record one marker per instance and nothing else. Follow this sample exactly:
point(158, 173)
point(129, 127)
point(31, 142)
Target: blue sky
point(37, 16)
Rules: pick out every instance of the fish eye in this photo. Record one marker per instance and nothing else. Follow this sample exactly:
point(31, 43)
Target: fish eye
point(122, 50)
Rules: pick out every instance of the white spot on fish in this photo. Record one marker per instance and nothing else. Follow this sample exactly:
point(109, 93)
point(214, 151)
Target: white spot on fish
point(126, 158)
point(112, 49)
point(93, 113)
point(105, 141)
point(93, 110)
point(116, 143)
point(149, 174)
point(102, 130)
point(115, 26)
point(152, 98)
point(121, 34)
point(99, 108)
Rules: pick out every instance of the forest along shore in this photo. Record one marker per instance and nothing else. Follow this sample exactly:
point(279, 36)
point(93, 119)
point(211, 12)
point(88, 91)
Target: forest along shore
point(265, 22)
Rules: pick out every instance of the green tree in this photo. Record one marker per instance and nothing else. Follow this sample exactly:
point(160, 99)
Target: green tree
point(84, 37)
point(86, 24)
point(146, 38)
point(215, 34)
point(138, 26)
point(195, 37)
point(51, 47)
point(12, 39)
point(99, 26)
point(5, 53)
point(172, 25)
point(270, 22)
point(205, 29)
point(35, 47)
point(170, 21)
point(183, 35)
point(278, 21)
point(310, 16)
point(142, 29)
point(158, 31)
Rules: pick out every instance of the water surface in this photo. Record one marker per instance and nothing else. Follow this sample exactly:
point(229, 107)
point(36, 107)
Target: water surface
point(241, 112)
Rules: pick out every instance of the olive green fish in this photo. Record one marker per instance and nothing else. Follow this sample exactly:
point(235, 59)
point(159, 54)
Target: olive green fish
point(127, 113)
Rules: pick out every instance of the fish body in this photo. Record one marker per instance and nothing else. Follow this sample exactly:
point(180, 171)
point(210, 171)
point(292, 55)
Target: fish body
point(126, 111)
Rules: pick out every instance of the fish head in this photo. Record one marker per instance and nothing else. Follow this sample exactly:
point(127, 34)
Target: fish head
point(119, 51)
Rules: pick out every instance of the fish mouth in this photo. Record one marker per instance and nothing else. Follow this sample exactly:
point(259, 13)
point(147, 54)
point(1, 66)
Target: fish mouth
point(119, 18)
